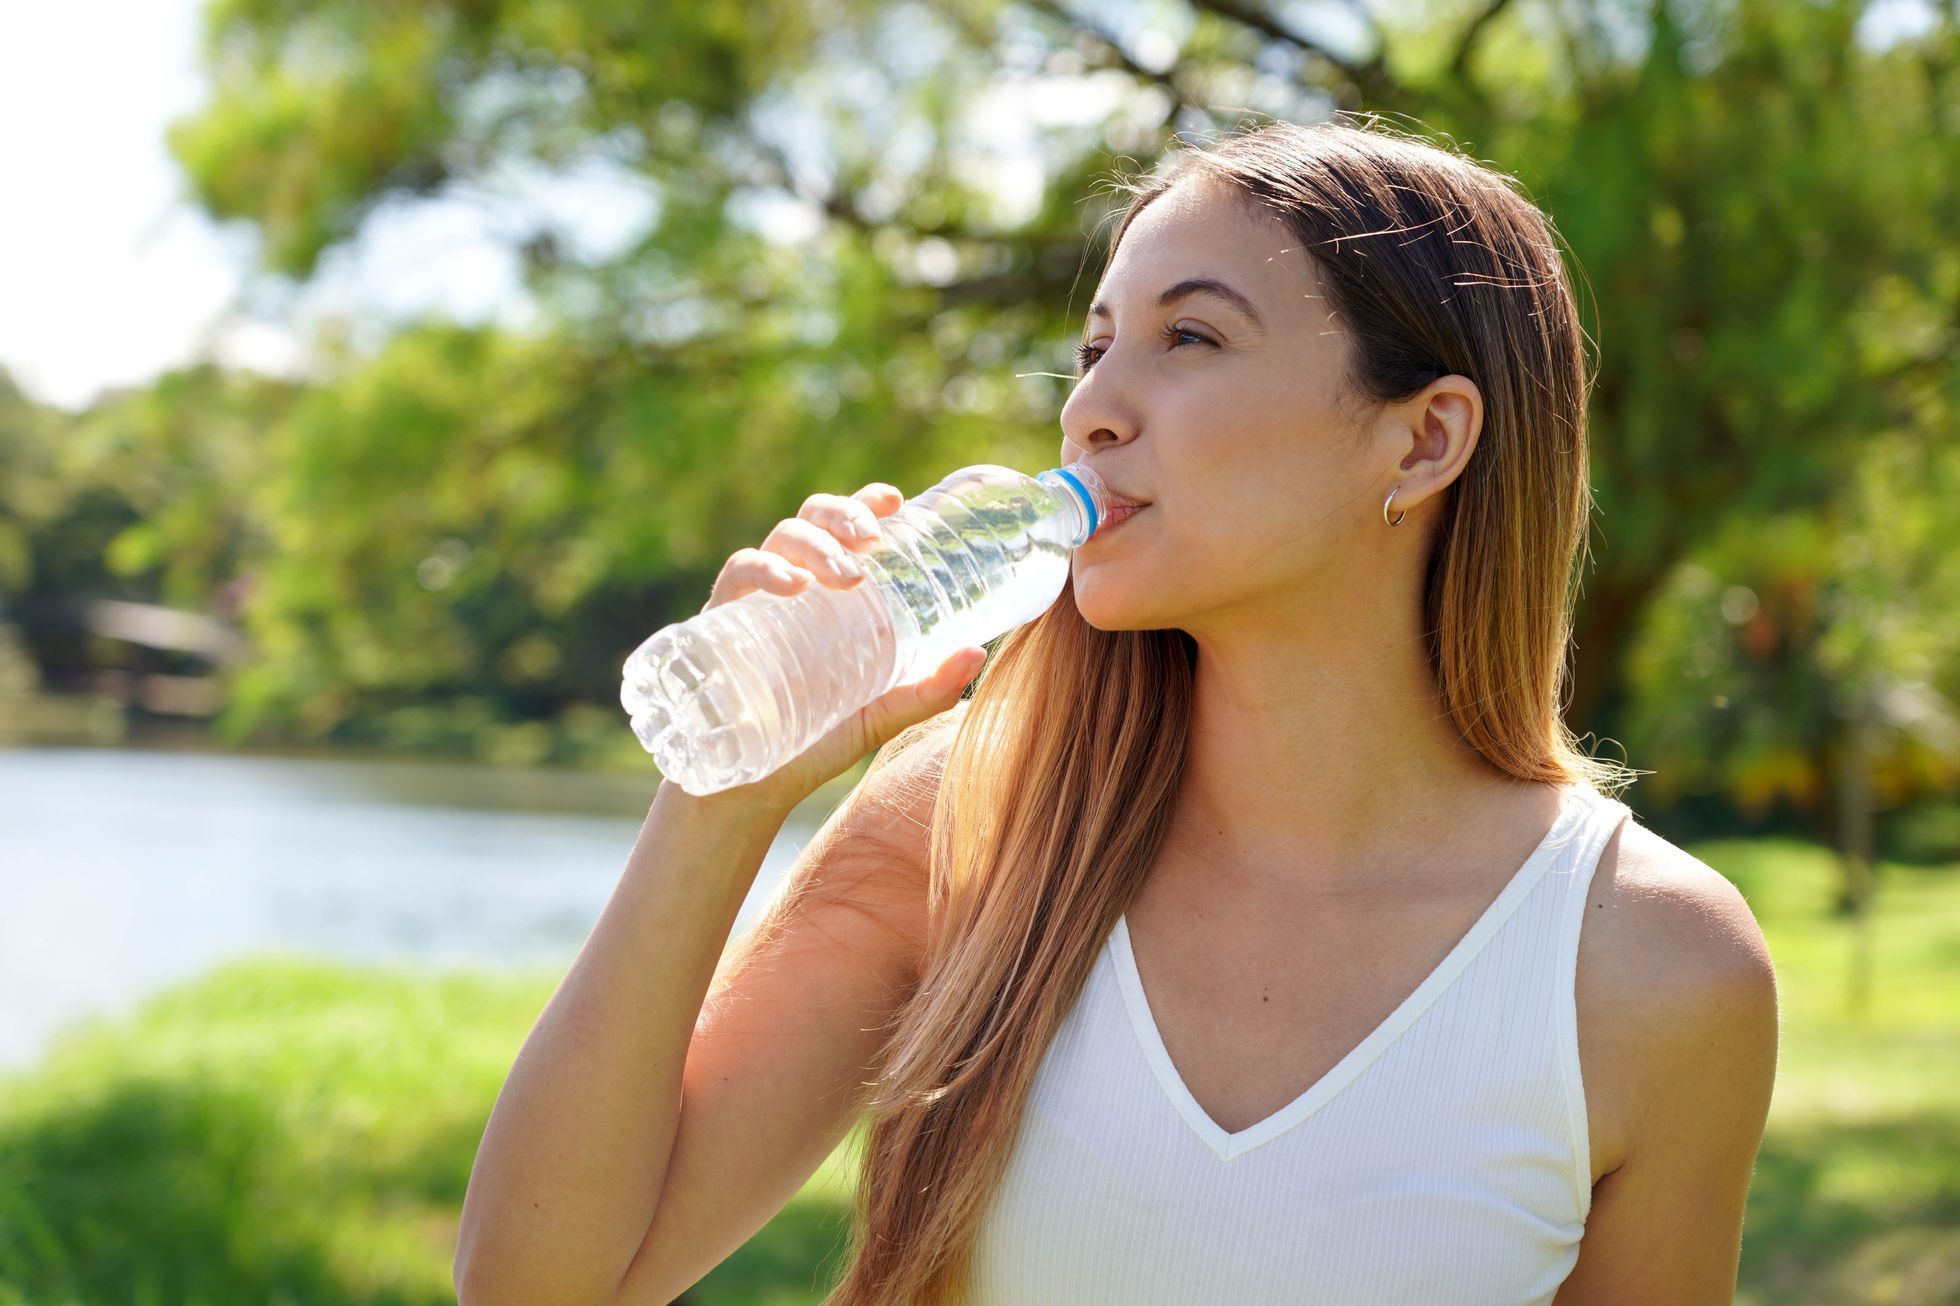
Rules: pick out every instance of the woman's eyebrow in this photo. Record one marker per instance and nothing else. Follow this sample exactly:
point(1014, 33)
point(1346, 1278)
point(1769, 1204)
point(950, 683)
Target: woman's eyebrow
point(1195, 286)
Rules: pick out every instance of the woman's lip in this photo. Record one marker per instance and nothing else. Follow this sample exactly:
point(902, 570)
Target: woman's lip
point(1120, 514)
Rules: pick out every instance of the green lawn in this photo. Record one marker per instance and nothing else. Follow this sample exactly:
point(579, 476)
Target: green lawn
point(1857, 1190)
point(288, 1132)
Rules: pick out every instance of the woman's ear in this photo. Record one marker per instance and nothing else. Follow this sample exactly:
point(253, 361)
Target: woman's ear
point(1441, 424)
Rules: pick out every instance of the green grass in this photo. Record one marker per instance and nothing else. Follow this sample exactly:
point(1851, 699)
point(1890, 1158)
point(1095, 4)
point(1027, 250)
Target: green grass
point(1856, 1197)
point(291, 1132)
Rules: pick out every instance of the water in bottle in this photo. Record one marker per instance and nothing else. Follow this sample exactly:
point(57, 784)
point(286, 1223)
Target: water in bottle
point(725, 697)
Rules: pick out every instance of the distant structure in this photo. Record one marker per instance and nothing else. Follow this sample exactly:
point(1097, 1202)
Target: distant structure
point(31, 713)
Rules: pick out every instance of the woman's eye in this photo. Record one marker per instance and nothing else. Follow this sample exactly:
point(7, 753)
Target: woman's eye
point(1176, 335)
point(1086, 354)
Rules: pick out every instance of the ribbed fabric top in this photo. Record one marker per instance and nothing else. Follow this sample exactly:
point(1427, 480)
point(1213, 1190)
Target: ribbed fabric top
point(1444, 1160)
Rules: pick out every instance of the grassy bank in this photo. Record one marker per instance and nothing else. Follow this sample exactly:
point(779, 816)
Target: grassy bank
point(293, 1133)
point(290, 1132)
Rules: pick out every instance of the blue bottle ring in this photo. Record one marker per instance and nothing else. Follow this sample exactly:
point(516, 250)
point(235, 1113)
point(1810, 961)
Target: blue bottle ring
point(1087, 498)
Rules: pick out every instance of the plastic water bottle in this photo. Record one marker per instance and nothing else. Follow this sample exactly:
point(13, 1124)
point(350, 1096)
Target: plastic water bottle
point(727, 696)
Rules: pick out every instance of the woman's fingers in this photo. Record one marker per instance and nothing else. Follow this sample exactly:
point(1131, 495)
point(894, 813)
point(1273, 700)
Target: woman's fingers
point(815, 549)
point(749, 570)
point(853, 519)
point(815, 545)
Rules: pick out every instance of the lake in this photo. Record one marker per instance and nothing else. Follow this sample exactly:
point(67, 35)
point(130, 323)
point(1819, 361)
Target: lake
point(124, 871)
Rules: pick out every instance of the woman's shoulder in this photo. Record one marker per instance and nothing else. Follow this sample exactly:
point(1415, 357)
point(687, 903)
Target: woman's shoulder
point(1676, 985)
point(1675, 925)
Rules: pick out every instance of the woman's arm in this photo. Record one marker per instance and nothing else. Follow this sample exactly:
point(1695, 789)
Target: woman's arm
point(647, 1131)
point(577, 1146)
point(1666, 1226)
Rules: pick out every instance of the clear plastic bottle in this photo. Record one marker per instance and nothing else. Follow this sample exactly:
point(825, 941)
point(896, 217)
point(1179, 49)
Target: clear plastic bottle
point(727, 696)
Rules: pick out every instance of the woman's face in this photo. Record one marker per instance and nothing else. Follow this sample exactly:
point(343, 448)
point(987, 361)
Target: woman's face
point(1226, 418)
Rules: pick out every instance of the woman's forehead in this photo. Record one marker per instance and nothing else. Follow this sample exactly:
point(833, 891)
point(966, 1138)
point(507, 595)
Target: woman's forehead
point(1204, 227)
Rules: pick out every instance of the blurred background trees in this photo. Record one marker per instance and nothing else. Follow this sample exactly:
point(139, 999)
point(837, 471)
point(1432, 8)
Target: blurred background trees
point(772, 248)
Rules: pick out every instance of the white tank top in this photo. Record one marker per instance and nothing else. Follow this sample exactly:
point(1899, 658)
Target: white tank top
point(1443, 1161)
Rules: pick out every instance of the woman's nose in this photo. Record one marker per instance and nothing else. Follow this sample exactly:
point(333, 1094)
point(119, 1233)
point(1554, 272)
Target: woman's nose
point(1095, 414)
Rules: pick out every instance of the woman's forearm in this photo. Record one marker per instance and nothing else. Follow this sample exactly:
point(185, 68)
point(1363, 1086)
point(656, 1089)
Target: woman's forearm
point(571, 1163)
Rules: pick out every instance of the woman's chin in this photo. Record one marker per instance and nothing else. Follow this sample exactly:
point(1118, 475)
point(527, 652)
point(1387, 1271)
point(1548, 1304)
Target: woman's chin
point(1111, 604)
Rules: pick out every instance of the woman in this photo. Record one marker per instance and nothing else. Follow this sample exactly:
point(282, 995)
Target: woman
point(1272, 941)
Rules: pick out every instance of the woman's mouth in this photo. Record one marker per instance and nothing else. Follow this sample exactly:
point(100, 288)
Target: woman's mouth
point(1120, 514)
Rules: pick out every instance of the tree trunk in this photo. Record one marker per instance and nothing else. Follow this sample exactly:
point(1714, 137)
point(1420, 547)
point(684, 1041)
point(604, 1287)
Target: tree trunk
point(1854, 823)
point(1607, 618)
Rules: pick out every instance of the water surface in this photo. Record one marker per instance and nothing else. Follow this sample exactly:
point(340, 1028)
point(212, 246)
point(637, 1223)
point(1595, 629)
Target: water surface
point(125, 871)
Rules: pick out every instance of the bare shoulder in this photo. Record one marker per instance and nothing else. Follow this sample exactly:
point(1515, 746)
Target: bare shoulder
point(1680, 923)
point(1678, 1042)
point(874, 848)
point(895, 801)
point(1677, 988)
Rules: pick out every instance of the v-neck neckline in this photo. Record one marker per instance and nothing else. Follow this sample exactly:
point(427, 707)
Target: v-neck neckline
point(1226, 1146)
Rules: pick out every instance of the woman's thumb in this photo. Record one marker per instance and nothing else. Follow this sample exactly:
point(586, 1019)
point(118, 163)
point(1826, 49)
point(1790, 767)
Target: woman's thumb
point(879, 721)
point(941, 689)
point(962, 667)
point(910, 704)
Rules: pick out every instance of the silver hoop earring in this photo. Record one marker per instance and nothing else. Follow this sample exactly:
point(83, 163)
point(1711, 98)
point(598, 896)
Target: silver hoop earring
point(1398, 516)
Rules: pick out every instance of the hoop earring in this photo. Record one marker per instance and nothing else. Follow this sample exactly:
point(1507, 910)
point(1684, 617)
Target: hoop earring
point(1398, 516)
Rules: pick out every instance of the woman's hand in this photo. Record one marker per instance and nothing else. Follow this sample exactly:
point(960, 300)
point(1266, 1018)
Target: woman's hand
point(819, 545)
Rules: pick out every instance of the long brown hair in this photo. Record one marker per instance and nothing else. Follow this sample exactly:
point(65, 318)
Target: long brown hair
point(1437, 265)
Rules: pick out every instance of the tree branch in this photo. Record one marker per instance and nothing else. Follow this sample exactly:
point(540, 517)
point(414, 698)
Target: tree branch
point(1372, 78)
point(1180, 99)
point(776, 171)
point(1466, 44)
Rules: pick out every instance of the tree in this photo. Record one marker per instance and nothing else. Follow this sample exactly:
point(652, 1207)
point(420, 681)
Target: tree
point(1757, 202)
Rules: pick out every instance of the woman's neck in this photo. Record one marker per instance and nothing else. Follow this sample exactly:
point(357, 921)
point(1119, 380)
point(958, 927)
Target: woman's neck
point(1325, 769)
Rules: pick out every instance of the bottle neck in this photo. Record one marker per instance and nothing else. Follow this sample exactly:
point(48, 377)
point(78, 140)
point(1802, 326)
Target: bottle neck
point(1083, 490)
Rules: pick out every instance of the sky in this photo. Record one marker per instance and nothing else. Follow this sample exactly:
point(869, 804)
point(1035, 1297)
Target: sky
point(108, 275)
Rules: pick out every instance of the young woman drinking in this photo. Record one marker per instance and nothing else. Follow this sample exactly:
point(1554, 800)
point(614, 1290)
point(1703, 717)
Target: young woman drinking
point(1256, 932)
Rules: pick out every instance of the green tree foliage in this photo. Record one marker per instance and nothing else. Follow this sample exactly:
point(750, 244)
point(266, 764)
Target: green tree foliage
point(842, 278)
point(1764, 211)
point(498, 517)
point(1798, 648)
point(144, 497)
point(31, 492)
